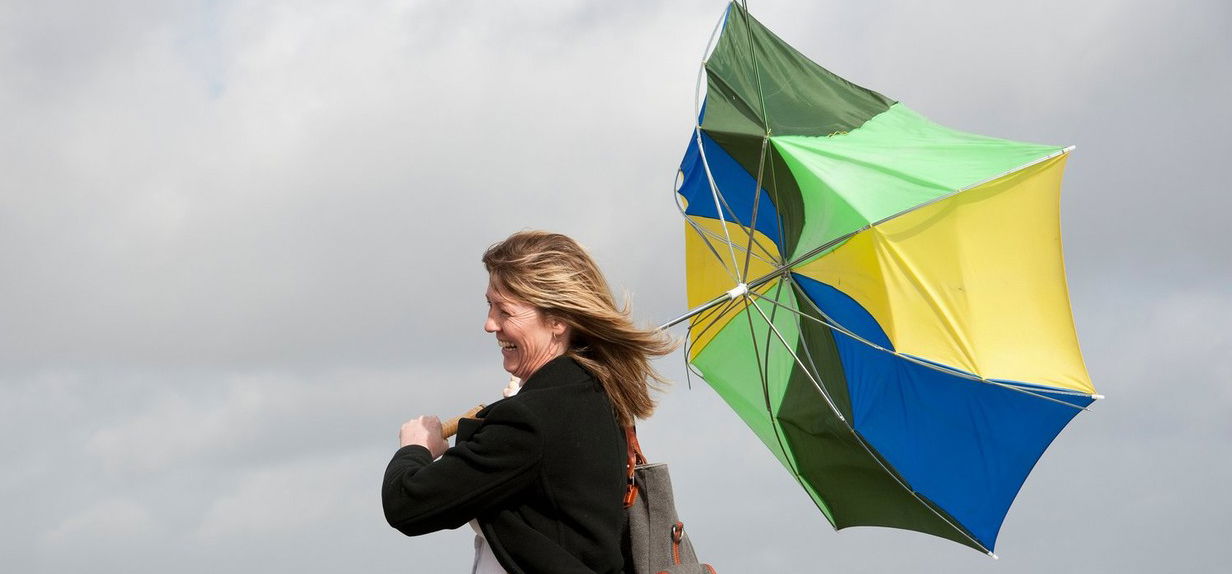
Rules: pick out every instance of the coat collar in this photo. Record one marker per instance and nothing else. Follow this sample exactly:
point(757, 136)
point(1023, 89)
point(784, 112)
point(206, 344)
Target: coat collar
point(558, 372)
point(562, 370)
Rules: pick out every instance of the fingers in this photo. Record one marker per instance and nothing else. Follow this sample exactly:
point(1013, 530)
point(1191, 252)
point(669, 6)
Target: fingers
point(424, 422)
point(424, 431)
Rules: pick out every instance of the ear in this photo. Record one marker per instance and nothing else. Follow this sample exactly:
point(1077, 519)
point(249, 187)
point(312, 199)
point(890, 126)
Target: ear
point(559, 328)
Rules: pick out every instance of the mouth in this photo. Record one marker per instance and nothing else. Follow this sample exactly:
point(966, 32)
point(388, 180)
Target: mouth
point(506, 345)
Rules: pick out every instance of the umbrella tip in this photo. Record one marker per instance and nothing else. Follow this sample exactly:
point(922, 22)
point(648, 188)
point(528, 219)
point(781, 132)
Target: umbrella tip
point(1097, 397)
point(994, 556)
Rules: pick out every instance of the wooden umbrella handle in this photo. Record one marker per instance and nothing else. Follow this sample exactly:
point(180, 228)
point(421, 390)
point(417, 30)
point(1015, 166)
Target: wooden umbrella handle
point(450, 427)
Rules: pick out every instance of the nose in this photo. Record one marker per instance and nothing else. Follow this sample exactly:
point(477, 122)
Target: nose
point(490, 324)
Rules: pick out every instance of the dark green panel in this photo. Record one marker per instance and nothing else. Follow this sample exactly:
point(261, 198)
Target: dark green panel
point(727, 112)
point(853, 483)
point(785, 193)
point(818, 350)
point(801, 98)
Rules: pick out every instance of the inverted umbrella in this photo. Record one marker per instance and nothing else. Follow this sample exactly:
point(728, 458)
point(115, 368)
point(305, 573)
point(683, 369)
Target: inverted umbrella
point(880, 298)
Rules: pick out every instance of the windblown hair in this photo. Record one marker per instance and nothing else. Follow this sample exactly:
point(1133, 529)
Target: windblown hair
point(553, 273)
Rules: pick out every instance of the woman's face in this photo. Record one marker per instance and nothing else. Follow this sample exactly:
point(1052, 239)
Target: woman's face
point(528, 339)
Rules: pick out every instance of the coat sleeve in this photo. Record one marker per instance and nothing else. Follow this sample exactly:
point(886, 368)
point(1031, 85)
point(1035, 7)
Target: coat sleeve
point(497, 463)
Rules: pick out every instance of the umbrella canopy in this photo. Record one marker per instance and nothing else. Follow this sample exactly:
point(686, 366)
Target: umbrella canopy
point(880, 298)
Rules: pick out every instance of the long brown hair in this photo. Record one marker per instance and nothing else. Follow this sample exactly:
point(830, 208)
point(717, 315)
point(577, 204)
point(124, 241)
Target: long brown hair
point(557, 276)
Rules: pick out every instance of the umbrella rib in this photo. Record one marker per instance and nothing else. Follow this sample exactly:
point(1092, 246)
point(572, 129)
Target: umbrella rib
point(765, 116)
point(762, 372)
point(860, 439)
point(703, 234)
point(765, 384)
point(772, 259)
point(774, 185)
point(705, 237)
point(761, 95)
point(688, 370)
point(710, 44)
point(718, 312)
point(696, 311)
point(808, 354)
point(714, 193)
point(761, 163)
point(761, 100)
point(766, 377)
point(765, 367)
point(722, 310)
point(752, 241)
point(803, 367)
point(831, 323)
point(748, 254)
point(697, 130)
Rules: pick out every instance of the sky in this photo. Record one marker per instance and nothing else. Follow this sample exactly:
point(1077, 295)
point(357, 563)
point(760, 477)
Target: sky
point(240, 241)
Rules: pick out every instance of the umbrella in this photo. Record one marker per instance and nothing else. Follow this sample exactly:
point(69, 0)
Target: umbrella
point(880, 298)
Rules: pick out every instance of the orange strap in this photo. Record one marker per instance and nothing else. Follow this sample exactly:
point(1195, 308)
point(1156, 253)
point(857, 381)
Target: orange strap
point(677, 536)
point(635, 458)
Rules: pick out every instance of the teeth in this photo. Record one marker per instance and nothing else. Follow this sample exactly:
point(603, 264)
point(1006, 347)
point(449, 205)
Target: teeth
point(505, 345)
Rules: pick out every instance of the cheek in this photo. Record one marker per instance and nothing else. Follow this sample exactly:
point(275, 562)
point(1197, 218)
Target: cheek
point(532, 335)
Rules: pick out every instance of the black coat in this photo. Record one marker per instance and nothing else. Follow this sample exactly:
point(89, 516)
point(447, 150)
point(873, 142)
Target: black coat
point(543, 471)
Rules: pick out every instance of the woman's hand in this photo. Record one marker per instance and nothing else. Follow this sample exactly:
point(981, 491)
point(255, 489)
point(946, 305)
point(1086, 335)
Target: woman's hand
point(425, 432)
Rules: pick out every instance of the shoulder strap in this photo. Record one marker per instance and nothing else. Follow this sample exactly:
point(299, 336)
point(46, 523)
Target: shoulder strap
point(635, 457)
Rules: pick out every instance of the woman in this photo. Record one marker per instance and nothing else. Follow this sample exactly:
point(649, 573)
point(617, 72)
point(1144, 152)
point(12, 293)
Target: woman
point(543, 471)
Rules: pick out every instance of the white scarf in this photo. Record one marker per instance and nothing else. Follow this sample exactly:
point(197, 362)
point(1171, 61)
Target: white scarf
point(485, 560)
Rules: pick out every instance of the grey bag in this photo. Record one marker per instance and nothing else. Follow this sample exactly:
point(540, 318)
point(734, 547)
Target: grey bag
point(657, 542)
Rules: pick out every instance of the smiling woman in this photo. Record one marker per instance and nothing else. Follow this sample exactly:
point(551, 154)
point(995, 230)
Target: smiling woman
point(542, 472)
point(528, 339)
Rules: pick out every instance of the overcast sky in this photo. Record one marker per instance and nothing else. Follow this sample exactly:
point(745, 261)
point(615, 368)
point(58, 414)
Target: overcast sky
point(239, 245)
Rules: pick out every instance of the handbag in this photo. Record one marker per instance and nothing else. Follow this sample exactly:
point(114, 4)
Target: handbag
point(656, 540)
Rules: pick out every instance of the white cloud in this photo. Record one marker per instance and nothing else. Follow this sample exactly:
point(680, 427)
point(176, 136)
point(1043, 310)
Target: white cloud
point(173, 428)
point(289, 499)
point(258, 419)
point(112, 521)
